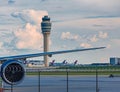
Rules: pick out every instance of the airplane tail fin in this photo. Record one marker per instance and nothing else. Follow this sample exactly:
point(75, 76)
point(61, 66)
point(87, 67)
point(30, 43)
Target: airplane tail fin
point(75, 62)
point(52, 63)
point(64, 62)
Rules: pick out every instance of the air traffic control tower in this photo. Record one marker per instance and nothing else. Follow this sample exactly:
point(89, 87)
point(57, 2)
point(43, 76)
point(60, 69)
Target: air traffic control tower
point(46, 28)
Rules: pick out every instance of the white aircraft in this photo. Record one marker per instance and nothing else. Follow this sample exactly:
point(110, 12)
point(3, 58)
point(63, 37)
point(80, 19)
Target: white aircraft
point(64, 63)
point(57, 64)
point(72, 64)
point(35, 63)
point(12, 70)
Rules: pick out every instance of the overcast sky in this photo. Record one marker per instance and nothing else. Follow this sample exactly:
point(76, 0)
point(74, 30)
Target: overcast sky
point(75, 24)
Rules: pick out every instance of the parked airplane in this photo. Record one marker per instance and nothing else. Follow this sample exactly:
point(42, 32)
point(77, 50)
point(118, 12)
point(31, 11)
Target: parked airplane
point(72, 64)
point(52, 63)
point(12, 71)
point(57, 64)
point(35, 63)
point(64, 63)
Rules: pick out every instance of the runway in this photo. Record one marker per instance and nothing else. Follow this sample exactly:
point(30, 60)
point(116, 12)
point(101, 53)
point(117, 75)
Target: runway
point(59, 84)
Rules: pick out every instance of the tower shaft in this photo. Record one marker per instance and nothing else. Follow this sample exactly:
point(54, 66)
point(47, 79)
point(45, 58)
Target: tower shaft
point(46, 47)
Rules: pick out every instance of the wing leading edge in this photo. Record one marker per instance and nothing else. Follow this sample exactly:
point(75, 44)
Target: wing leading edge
point(46, 53)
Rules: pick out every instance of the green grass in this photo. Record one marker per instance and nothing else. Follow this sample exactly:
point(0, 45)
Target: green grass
point(75, 73)
point(82, 70)
point(92, 67)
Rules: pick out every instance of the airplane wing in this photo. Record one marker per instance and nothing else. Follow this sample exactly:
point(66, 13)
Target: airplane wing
point(46, 53)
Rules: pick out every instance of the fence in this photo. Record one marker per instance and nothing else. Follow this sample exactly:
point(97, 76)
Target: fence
point(64, 80)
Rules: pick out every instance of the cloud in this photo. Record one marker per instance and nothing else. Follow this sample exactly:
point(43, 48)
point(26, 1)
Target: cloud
point(101, 6)
point(29, 36)
point(99, 36)
point(115, 42)
point(94, 38)
point(1, 45)
point(89, 40)
point(69, 36)
point(30, 16)
point(85, 41)
point(11, 1)
point(103, 34)
point(85, 45)
point(108, 46)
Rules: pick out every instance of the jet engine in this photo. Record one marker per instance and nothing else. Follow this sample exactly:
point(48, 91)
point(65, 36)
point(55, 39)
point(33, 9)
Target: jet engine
point(12, 72)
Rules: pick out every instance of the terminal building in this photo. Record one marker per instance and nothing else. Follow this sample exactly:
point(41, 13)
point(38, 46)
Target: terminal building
point(114, 61)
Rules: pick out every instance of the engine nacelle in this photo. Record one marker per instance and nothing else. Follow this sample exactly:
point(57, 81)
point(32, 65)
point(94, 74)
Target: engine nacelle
point(12, 72)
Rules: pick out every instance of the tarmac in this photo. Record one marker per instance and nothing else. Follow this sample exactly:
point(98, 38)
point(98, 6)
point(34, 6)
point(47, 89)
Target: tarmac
point(60, 84)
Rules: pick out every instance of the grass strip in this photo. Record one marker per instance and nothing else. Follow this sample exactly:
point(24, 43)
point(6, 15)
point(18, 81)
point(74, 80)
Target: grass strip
point(75, 73)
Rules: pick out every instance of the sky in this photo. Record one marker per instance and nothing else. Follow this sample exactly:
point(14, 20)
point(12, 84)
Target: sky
point(75, 24)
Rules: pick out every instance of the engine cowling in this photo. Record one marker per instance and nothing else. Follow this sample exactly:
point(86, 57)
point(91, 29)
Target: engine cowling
point(12, 72)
